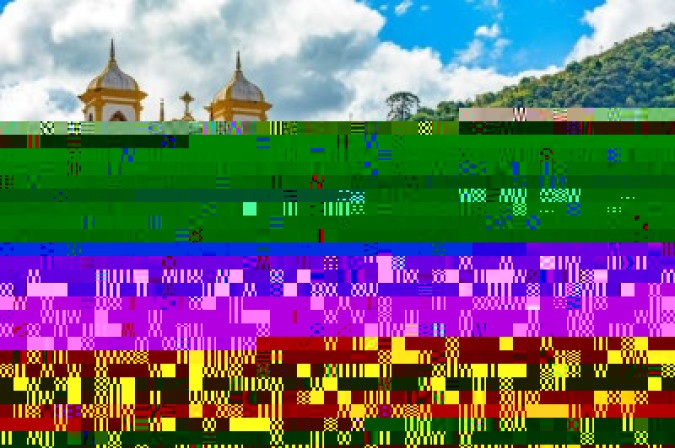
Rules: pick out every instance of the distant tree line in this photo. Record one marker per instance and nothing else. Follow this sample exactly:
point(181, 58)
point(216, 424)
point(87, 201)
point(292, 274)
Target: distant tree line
point(639, 72)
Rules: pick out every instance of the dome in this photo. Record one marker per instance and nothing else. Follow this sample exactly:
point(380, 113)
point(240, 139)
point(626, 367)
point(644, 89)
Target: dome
point(112, 77)
point(239, 88)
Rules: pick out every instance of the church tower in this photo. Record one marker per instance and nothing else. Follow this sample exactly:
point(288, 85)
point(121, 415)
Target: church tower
point(239, 100)
point(113, 95)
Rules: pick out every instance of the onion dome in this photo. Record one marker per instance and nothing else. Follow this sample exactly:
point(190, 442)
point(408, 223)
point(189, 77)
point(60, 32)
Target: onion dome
point(112, 77)
point(239, 88)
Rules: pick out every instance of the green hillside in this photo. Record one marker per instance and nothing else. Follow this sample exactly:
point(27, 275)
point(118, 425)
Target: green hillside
point(638, 72)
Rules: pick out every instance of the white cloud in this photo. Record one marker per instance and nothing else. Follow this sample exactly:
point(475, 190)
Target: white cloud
point(110, 15)
point(477, 48)
point(425, 8)
point(617, 20)
point(498, 49)
point(320, 63)
point(422, 74)
point(403, 7)
point(485, 31)
point(471, 53)
point(486, 3)
point(31, 99)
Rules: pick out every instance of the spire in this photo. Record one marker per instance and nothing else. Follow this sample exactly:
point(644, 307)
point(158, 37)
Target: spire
point(161, 110)
point(238, 62)
point(112, 49)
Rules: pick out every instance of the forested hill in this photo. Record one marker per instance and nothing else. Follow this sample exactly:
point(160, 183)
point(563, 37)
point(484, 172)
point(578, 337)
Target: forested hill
point(638, 72)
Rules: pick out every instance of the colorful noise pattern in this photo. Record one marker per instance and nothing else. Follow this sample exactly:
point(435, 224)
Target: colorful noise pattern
point(366, 391)
point(311, 392)
point(224, 303)
point(475, 118)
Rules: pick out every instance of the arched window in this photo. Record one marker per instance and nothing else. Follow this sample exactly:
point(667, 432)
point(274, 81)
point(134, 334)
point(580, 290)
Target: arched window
point(91, 116)
point(118, 116)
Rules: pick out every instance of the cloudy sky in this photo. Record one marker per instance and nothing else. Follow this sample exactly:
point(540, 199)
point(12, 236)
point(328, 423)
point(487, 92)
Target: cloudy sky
point(314, 60)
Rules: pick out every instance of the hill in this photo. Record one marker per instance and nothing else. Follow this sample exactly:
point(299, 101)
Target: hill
point(638, 72)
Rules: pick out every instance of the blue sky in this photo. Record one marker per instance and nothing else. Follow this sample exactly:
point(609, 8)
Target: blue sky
point(313, 59)
point(449, 26)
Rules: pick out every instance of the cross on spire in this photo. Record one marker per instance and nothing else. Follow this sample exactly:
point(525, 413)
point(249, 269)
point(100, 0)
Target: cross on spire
point(187, 99)
point(238, 62)
point(112, 49)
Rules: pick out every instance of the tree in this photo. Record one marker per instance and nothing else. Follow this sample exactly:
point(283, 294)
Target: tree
point(448, 111)
point(424, 114)
point(574, 67)
point(527, 81)
point(402, 106)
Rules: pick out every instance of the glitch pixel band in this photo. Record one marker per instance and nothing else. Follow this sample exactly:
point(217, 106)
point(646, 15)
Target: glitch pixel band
point(504, 280)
